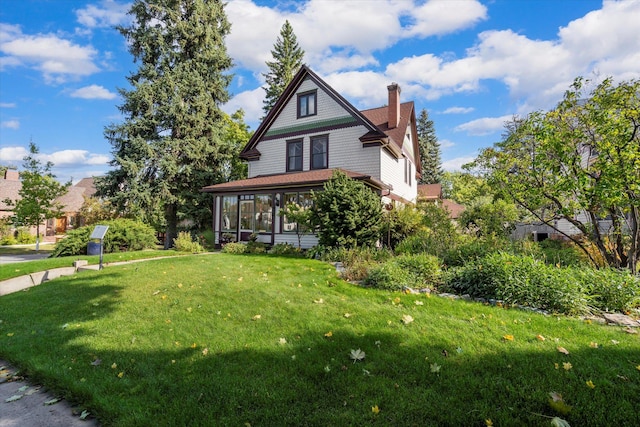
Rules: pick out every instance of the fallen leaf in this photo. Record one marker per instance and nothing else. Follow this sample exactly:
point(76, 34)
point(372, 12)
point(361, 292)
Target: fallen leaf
point(84, 415)
point(32, 390)
point(155, 293)
point(508, 337)
point(488, 423)
point(51, 402)
point(558, 404)
point(406, 319)
point(194, 345)
point(375, 409)
point(282, 341)
point(114, 366)
point(357, 355)
point(419, 302)
point(435, 368)
point(563, 350)
point(328, 334)
point(14, 398)
point(566, 366)
point(593, 344)
point(256, 317)
point(540, 337)
point(23, 388)
point(590, 384)
point(347, 315)
point(631, 331)
point(121, 374)
point(559, 422)
point(205, 351)
point(318, 301)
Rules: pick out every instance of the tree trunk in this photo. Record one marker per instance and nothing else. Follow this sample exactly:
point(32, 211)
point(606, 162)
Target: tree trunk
point(171, 216)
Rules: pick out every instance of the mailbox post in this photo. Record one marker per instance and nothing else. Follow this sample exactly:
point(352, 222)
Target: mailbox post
point(98, 233)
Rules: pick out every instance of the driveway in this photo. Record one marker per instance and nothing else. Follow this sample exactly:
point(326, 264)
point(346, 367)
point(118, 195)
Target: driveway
point(8, 259)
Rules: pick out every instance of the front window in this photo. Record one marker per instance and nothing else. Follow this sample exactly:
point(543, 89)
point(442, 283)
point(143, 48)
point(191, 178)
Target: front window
point(320, 152)
point(302, 199)
point(230, 213)
point(264, 212)
point(294, 155)
point(307, 104)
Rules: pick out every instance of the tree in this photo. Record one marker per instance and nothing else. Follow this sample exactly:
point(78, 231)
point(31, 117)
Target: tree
point(287, 60)
point(429, 150)
point(38, 194)
point(487, 216)
point(346, 213)
point(579, 164)
point(464, 187)
point(171, 143)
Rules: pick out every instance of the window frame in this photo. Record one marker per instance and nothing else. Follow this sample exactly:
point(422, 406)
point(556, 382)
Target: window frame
point(307, 96)
point(312, 155)
point(289, 144)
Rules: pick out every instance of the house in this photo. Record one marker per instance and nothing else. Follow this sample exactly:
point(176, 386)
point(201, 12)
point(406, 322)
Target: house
point(432, 193)
point(311, 132)
point(72, 201)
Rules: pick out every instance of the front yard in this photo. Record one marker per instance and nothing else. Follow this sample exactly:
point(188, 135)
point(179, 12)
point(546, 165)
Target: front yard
point(264, 340)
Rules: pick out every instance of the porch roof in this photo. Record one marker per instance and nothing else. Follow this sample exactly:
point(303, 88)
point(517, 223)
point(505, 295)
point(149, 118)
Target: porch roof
point(284, 181)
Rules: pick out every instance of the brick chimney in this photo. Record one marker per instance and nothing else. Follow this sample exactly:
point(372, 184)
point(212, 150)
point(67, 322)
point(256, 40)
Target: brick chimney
point(11, 175)
point(394, 105)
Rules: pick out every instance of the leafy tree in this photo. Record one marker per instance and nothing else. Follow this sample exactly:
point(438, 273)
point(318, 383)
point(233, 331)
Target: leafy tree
point(579, 164)
point(488, 217)
point(429, 150)
point(301, 215)
point(95, 210)
point(171, 143)
point(287, 60)
point(38, 194)
point(346, 213)
point(464, 187)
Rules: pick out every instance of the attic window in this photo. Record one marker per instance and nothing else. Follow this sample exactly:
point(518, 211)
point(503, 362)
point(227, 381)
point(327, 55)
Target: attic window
point(307, 103)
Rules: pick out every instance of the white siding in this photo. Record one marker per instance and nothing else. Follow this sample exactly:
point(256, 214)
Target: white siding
point(393, 174)
point(307, 240)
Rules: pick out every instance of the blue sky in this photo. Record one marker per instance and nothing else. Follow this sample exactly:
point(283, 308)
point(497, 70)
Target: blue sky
point(471, 64)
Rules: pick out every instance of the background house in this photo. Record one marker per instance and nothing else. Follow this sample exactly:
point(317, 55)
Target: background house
point(432, 193)
point(309, 133)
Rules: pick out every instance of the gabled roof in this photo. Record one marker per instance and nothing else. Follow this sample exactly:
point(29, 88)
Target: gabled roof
point(251, 153)
point(380, 118)
point(289, 180)
point(429, 191)
point(9, 190)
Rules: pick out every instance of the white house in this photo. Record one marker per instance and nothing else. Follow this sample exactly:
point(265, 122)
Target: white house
point(310, 132)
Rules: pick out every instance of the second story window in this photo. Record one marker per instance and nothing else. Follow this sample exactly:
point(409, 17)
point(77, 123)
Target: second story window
point(307, 104)
point(320, 152)
point(294, 155)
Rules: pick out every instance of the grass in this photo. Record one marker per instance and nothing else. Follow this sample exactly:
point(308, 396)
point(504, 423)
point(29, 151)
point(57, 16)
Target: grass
point(26, 249)
point(262, 340)
point(9, 271)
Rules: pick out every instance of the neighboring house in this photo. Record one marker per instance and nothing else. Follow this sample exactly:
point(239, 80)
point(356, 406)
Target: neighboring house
point(309, 133)
point(432, 193)
point(72, 201)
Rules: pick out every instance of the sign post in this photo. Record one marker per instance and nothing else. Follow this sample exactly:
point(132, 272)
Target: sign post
point(98, 233)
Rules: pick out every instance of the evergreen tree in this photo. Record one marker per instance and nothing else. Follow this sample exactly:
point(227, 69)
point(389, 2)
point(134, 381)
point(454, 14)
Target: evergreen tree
point(171, 143)
point(429, 150)
point(287, 61)
point(38, 194)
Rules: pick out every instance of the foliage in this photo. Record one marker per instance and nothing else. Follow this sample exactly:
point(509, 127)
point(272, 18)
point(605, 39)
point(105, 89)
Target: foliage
point(123, 235)
point(287, 60)
point(24, 237)
point(464, 187)
point(95, 210)
point(610, 289)
point(400, 223)
point(5, 227)
point(521, 280)
point(234, 248)
point(206, 238)
point(389, 275)
point(439, 235)
point(578, 163)
point(284, 249)
point(172, 141)
point(429, 146)
point(255, 247)
point(405, 271)
point(357, 260)
point(425, 269)
point(346, 213)
point(8, 240)
point(38, 194)
point(185, 243)
point(486, 216)
point(470, 248)
point(554, 252)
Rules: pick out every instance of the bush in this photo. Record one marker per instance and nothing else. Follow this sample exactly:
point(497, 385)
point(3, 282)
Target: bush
point(285, 249)
point(8, 240)
point(521, 280)
point(185, 243)
point(234, 248)
point(255, 247)
point(425, 269)
point(472, 249)
point(611, 290)
point(123, 235)
point(417, 244)
point(400, 223)
point(390, 276)
point(356, 261)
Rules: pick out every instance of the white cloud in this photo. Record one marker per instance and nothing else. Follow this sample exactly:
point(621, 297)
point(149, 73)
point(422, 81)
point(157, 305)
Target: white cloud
point(443, 17)
point(57, 59)
point(457, 163)
point(7, 104)
point(251, 102)
point(458, 110)
point(484, 126)
point(445, 143)
point(93, 92)
point(108, 14)
point(10, 124)
point(73, 158)
point(12, 154)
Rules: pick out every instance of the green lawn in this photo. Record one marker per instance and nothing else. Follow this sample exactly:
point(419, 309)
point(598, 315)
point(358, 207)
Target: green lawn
point(263, 341)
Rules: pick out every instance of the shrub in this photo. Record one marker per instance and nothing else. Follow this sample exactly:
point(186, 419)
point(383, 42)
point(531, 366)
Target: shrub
point(123, 235)
point(24, 237)
point(284, 249)
point(425, 269)
point(255, 247)
point(471, 249)
point(611, 290)
point(417, 244)
point(185, 243)
point(400, 223)
point(389, 275)
point(8, 240)
point(234, 248)
point(207, 238)
point(521, 280)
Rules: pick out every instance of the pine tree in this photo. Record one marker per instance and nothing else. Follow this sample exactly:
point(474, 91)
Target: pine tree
point(287, 61)
point(171, 143)
point(429, 150)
